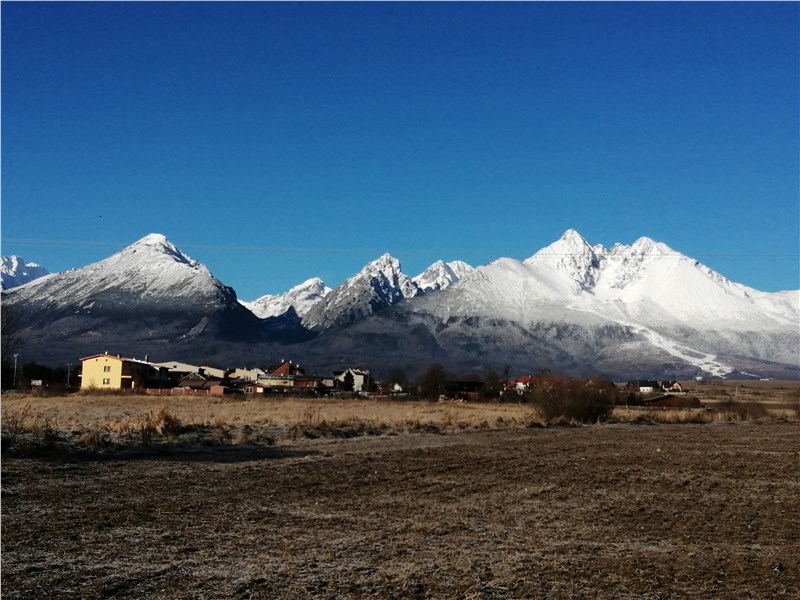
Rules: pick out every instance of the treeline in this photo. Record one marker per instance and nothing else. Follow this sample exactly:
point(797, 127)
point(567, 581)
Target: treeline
point(556, 398)
point(27, 375)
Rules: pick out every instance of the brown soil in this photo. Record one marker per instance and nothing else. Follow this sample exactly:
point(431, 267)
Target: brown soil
point(614, 511)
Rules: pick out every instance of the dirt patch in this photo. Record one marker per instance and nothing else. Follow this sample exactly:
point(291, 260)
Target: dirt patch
point(614, 511)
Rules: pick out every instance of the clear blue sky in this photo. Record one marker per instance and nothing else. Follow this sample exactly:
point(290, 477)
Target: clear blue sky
point(280, 141)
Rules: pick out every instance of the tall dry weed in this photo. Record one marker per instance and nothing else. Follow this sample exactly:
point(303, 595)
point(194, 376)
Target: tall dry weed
point(16, 420)
point(25, 421)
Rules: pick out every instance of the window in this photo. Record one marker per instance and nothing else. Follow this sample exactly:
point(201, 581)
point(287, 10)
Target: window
point(106, 382)
point(107, 369)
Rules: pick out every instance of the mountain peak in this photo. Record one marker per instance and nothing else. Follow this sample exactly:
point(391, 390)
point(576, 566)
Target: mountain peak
point(383, 263)
point(314, 283)
point(570, 254)
point(153, 239)
point(646, 245)
point(441, 275)
point(571, 243)
point(159, 244)
point(571, 235)
point(379, 284)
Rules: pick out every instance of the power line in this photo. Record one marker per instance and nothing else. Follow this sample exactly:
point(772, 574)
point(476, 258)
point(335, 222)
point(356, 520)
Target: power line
point(326, 250)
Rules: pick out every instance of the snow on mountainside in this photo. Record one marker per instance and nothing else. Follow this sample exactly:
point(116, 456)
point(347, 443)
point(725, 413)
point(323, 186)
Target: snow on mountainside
point(15, 272)
point(441, 275)
point(302, 298)
point(571, 256)
point(378, 285)
point(151, 269)
point(673, 303)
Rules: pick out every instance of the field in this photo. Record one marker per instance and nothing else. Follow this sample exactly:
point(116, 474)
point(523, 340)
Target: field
point(397, 499)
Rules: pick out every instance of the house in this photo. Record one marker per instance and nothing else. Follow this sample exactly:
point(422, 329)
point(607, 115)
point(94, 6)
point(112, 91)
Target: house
point(242, 375)
point(296, 386)
point(110, 372)
point(283, 377)
point(286, 368)
point(352, 380)
point(184, 368)
point(198, 381)
point(644, 386)
point(650, 386)
point(178, 370)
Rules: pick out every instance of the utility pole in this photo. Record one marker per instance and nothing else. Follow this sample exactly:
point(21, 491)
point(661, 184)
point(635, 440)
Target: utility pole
point(69, 366)
point(15, 370)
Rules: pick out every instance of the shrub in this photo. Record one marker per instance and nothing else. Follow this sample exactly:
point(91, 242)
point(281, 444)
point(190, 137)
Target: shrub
point(159, 423)
point(570, 400)
point(742, 411)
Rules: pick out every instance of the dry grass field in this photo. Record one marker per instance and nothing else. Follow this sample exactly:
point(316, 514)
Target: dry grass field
point(143, 497)
point(112, 422)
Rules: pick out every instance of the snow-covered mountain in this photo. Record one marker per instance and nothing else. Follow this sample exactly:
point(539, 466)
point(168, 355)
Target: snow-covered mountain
point(441, 275)
point(302, 298)
point(151, 270)
point(639, 310)
point(14, 272)
point(148, 293)
point(575, 307)
point(380, 284)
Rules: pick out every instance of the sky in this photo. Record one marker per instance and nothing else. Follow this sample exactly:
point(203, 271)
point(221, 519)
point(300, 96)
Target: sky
point(275, 142)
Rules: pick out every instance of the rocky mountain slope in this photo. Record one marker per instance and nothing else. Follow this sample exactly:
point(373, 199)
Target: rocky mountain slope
point(301, 298)
point(380, 284)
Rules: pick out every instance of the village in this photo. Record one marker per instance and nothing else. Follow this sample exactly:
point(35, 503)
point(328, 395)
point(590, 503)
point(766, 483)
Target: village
point(112, 372)
point(109, 372)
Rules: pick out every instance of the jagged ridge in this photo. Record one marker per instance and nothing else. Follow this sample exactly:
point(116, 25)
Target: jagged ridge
point(14, 272)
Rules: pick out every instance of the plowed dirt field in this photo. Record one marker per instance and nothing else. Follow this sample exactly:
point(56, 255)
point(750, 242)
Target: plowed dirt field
point(605, 511)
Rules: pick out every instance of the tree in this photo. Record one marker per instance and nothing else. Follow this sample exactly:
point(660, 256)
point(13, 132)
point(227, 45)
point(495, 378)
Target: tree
point(493, 384)
point(349, 382)
point(431, 385)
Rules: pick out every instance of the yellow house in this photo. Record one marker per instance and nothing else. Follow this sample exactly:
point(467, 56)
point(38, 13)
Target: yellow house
point(109, 372)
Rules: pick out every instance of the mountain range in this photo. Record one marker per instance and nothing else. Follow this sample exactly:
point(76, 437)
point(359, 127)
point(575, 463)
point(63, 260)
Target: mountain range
point(639, 310)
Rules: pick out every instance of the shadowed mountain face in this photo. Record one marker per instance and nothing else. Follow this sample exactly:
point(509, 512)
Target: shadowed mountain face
point(378, 285)
point(147, 298)
point(626, 311)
